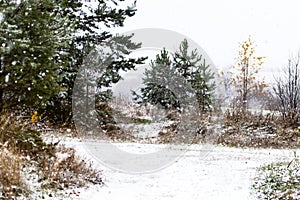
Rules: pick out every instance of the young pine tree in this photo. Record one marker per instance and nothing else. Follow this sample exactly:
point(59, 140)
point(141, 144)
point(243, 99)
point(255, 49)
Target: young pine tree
point(195, 70)
point(159, 83)
point(174, 83)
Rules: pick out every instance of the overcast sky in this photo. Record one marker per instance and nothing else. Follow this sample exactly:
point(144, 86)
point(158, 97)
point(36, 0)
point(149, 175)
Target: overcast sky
point(218, 26)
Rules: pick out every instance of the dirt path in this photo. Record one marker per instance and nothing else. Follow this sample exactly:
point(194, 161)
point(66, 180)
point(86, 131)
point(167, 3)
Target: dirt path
point(225, 173)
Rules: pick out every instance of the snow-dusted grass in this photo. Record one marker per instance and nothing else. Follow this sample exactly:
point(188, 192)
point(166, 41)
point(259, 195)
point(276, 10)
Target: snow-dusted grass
point(213, 173)
point(279, 180)
point(59, 177)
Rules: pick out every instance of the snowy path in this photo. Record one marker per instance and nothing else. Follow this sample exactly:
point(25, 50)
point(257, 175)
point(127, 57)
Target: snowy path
point(225, 173)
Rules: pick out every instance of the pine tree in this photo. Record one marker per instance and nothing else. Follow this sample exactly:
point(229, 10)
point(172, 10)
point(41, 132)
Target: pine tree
point(203, 86)
point(159, 83)
point(176, 82)
point(43, 45)
point(92, 23)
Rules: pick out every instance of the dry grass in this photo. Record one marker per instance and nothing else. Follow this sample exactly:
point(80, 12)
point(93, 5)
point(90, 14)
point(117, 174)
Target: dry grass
point(11, 181)
point(191, 127)
point(246, 129)
point(64, 169)
point(11, 161)
point(24, 154)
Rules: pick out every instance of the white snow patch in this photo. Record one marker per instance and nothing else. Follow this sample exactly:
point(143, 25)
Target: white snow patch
point(150, 130)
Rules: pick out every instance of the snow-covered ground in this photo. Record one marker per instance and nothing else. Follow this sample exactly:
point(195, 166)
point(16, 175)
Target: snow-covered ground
point(224, 173)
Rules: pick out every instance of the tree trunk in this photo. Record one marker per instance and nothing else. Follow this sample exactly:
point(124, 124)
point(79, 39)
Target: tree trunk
point(1, 100)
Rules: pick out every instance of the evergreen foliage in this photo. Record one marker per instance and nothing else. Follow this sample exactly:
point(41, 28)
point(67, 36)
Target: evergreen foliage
point(43, 44)
point(159, 83)
point(174, 82)
point(194, 69)
point(92, 22)
point(31, 35)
